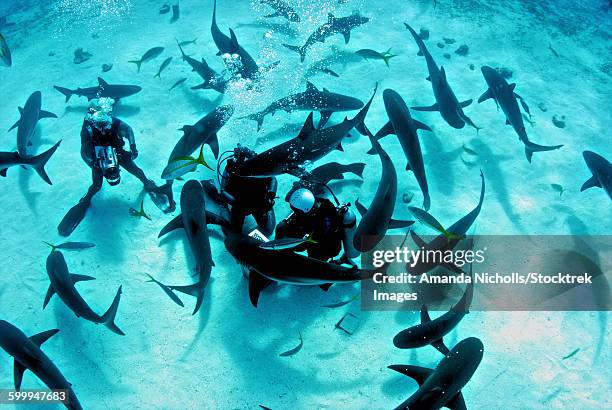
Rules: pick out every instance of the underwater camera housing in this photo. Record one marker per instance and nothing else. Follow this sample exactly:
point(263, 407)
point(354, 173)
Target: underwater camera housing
point(107, 160)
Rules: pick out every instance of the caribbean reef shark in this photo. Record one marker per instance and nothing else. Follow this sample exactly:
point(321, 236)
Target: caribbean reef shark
point(11, 159)
point(281, 9)
point(212, 80)
point(29, 116)
point(62, 283)
point(310, 145)
point(312, 99)
point(193, 220)
point(455, 233)
point(229, 45)
point(441, 387)
point(318, 178)
point(333, 26)
point(505, 97)
point(447, 103)
point(431, 332)
point(405, 127)
point(104, 89)
point(202, 132)
point(29, 356)
point(601, 170)
point(378, 218)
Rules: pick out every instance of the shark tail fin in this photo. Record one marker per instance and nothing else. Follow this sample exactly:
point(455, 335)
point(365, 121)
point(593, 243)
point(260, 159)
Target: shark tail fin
point(67, 93)
point(137, 62)
point(39, 162)
point(530, 148)
point(196, 289)
point(109, 317)
point(300, 50)
point(259, 118)
point(357, 169)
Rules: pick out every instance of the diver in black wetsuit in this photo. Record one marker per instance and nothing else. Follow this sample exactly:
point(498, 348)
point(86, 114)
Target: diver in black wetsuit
point(102, 142)
point(248, 195)
point(330, 227)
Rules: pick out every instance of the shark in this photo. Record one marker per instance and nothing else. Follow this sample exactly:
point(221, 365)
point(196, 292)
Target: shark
point(311, 144)
point(193, 220)
point(229, 45)
point(446, 103)
point(38, 162)
point(26, 124)
point(312, 99)
point(504, 96)
point(29, 356)
point(281, 9)
point(63, 284)
point(405, 127)
point(441, 387)
point(104, 89)
point(601, 169)
point(377, 219)
point(212, 80)
point(334, 25)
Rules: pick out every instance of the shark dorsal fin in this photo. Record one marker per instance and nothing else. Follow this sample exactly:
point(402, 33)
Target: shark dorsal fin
point(311, 88)
point(233, 42)
point(443, 73)
point(308, 127)
point(425, 314)
point(512, 86)
point(102, 82)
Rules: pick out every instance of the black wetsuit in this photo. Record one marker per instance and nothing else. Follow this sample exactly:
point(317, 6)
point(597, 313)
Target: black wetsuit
point(325, 225)
point(250, 196)
point(90, 138)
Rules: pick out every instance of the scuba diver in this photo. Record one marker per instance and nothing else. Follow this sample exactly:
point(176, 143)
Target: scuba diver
point(102, 142)
point(247, 195)
point(329, 227)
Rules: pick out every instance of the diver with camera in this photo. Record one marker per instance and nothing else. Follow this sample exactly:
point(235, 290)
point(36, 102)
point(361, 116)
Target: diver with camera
point(102, 148)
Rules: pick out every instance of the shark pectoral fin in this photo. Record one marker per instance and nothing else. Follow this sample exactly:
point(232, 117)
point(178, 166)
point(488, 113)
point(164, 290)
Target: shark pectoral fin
point(485, 96)
point(15, 125)
point(456, 403)
point(440, 346)
point(408, 167)
point(425, 315)
point(347, 36)
point(419, 374)
point(418, 240)
point(360, 208)
point(108, 318)
point(3, 172)
point(465, 103)
point(175, 223)
point(80, 278)
point(257, 283)
point(40, 338)
point(18, 370)
point(590, 183)
point(433, 107)
point(419, 125)
point(46, 114)
point(324, 118)
point(397, 223)
point(50, 293)
point(508, 122)
point(213, 143)
point(386, 129)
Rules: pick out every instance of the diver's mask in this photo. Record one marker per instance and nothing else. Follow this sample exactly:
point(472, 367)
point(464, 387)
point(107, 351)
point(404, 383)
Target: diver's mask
point(99, 114)
point(107, 160)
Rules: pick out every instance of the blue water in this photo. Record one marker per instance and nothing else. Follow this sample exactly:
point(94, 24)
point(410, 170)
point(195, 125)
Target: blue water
point(227, 356)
